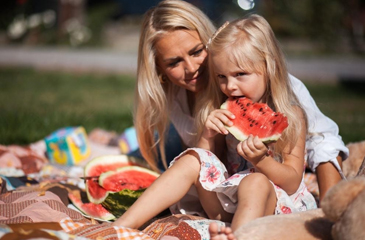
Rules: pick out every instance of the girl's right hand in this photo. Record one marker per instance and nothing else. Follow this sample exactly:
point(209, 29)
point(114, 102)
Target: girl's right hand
point(216, 121)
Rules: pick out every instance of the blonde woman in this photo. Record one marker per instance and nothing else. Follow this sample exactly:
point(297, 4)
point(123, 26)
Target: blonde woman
point(172, 75)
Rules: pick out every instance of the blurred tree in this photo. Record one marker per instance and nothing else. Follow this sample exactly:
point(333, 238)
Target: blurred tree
point(329, 23)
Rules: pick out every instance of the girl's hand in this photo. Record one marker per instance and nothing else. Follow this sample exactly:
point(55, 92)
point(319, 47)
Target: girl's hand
point(252, 149)
point(216, 121)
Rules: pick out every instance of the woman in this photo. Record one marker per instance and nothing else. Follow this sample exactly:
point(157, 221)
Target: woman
point(172, 74)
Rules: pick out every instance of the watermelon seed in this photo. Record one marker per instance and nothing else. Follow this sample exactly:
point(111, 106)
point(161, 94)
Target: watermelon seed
point(260, 109)
point(251, 125)
point(243, 114)
point(273, 122)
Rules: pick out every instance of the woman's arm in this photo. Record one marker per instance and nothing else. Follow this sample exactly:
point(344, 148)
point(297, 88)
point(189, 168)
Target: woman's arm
point(325, 144)
point(325, 148)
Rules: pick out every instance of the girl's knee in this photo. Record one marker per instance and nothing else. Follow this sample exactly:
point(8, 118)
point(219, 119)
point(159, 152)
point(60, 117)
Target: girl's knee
point(256, 181)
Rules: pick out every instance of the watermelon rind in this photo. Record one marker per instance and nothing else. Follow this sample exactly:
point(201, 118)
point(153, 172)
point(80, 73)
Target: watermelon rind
point(105, 160)
point(117, 203)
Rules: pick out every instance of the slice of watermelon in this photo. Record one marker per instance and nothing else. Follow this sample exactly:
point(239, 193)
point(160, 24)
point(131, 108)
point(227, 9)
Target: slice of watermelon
point(257, 119)
point(96, 211)
point(97, 166)
point(130, 177)
point(124, 186)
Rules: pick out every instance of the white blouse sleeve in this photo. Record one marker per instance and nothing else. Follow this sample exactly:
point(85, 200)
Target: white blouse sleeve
point(323, 142)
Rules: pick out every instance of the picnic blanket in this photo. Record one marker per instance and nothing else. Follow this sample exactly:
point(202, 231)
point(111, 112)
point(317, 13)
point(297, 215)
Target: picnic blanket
point(34, 202)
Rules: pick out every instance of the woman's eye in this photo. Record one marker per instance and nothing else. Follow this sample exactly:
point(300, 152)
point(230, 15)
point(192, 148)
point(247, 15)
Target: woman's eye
point(198, 52)
point(173, 64)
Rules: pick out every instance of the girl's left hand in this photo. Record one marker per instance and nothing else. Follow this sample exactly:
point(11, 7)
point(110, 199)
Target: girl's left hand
point(252, 149)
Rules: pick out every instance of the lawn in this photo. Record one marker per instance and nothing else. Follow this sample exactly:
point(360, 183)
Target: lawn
point(33, 104)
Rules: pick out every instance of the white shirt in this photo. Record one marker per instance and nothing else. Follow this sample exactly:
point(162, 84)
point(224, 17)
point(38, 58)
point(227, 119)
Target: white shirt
point(323, 143)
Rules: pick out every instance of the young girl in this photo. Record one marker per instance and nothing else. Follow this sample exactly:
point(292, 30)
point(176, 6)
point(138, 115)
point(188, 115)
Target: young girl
point(244, 60)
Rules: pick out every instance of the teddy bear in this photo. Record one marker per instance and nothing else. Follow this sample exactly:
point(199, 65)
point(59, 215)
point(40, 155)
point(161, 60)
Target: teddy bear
point(344, 206)
point(352, 164)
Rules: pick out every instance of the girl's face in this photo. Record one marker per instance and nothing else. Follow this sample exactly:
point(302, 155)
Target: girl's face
point(181, 57)
point(237, 82)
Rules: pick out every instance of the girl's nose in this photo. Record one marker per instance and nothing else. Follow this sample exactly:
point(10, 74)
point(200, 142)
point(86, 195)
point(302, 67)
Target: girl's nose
point(231, 85)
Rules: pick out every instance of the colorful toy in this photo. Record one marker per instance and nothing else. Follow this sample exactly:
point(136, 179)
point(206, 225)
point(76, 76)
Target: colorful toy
point(68, 146)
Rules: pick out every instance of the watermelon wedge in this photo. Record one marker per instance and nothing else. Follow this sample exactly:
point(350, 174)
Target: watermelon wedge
point(96, 211)
point(95, 193)
point(257, 119)
point(129, 177)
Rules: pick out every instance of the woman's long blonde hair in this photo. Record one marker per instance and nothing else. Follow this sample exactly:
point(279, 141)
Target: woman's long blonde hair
point(152, 95)
point(252, 45)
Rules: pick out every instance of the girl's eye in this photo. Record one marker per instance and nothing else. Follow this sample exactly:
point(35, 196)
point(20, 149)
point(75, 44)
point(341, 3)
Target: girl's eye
point(220, 76)
point(241, 74)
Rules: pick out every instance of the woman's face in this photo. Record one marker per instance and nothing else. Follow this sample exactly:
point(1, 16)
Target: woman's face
point(181, 58)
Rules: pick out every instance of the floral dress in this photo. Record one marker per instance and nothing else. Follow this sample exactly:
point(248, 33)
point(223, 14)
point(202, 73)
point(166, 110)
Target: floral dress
point(214, 177)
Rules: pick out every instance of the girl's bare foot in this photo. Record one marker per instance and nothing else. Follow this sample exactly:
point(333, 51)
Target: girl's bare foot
point(225, 233)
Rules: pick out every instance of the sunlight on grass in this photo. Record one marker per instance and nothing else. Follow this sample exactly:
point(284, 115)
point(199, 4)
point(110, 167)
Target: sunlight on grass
point(33, 104)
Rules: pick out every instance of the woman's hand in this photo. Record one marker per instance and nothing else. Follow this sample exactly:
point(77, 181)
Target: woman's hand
point(252, 149)
point(216, 121)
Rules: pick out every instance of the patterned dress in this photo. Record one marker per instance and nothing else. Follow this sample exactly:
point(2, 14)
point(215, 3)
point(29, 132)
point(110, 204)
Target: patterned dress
point(214, 177)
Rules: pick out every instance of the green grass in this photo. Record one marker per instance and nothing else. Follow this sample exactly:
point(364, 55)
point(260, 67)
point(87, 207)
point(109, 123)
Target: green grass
point(33, 104)
point(344, 103)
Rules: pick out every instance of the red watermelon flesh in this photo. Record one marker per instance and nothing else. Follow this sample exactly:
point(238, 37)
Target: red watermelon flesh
point(96, 211)
point(257, 119)
point(96, 167)
point(130, 177)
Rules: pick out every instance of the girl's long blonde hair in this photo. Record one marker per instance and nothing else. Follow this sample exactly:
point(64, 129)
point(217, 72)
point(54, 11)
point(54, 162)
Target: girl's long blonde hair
point(252, 45)
point(153, 94)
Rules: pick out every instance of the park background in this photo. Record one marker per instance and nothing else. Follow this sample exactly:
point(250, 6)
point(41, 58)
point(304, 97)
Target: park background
point(61, 60)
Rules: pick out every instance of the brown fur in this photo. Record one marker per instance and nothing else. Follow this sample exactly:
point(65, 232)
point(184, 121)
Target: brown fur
point(352, 164)
point(344, 205)
point(303, 225)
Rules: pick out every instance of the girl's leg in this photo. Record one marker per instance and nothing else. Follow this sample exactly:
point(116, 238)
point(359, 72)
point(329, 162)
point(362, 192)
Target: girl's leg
point(211, 205)
point(169, 188)
point(256, 198)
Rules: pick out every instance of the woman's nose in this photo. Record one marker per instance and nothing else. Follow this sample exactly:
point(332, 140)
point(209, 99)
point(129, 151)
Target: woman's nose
point(190, 67)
